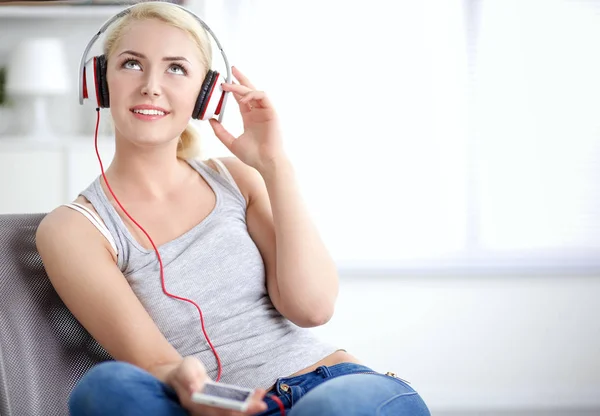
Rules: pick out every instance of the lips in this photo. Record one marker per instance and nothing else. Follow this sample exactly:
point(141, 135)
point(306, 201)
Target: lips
point(148, 107)
point(148, 112)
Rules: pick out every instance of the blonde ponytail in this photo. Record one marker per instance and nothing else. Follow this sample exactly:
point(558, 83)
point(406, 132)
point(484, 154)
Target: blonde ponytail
point(189, 143)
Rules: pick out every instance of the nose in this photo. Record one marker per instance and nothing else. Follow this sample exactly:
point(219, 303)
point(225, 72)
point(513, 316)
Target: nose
point(151, 84)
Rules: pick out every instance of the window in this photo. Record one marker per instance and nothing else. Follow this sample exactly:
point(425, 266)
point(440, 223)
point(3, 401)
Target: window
point(442, 135)
point(536, 130)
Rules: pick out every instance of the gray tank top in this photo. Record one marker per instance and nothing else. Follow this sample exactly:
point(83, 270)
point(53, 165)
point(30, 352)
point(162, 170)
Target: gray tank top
point(217, 265)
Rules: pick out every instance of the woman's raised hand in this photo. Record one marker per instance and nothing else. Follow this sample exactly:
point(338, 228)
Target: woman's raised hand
point(260, 145)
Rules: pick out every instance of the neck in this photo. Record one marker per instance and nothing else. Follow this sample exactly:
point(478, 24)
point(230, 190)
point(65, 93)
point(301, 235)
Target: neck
point(151, 172)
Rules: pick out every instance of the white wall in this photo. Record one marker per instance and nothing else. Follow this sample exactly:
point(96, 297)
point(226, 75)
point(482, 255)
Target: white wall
point(478, 343)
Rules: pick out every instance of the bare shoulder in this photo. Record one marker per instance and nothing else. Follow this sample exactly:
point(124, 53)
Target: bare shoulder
point(66, 230)
point(60, 223)
point(246, 177)
point(63, 221)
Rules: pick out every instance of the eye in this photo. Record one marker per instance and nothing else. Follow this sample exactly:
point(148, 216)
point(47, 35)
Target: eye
point(178, 69)
point(130, 64)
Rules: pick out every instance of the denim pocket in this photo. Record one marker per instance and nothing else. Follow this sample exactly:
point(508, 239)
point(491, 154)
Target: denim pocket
point(389, 374)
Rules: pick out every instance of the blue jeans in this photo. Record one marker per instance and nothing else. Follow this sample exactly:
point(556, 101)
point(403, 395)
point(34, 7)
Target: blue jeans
point(118, 388)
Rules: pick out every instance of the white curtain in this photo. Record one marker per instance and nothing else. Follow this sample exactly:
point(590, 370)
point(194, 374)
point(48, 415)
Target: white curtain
point(536, 130)
point(432, 134)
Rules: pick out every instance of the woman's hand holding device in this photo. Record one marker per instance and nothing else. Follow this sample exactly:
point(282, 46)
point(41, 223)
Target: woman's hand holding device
point(202, 397)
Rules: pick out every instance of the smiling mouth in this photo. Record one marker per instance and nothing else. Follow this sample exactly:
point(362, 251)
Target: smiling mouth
point(148, 112)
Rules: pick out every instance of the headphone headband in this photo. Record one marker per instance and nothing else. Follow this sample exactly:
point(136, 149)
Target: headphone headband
point(125, 12)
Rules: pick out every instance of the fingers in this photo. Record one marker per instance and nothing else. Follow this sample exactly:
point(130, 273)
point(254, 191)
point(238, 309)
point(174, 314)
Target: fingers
point(244, 108)
point(257, 404)
point(246, 96)
point(237, 89)
point(191, 374)
point(242, 78)
point(258, 96)
point(222, 134)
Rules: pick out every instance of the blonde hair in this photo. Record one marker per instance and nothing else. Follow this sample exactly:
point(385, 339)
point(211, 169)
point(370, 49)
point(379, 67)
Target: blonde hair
point(188, 146)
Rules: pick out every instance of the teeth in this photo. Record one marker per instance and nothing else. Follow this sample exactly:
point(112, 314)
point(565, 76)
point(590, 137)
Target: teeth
point(149, 112)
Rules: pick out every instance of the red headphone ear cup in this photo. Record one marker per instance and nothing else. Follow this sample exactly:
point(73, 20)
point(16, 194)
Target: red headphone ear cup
point(95, 87)
point(89, 82)
point(204, 94)
point(101, 83)
point(214, 99)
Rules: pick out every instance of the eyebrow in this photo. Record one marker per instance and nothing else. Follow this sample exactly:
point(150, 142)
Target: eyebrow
point(166, 58)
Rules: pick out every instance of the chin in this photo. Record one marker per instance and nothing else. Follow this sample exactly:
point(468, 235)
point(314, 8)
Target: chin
point(146, 136)
point(148, 132)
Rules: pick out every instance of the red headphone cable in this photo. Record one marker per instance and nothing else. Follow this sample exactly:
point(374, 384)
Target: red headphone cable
point(162, 276)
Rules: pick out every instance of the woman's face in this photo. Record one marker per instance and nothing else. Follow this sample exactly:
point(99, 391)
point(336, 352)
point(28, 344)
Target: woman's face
point(154, 77)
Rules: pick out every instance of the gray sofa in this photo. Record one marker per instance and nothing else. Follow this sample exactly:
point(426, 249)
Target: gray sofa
point(43, 349)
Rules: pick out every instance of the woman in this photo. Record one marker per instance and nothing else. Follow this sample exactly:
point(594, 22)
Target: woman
point(233, 236)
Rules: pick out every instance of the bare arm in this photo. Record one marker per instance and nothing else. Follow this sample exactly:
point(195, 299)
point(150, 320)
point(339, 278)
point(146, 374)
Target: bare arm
point(82, 269)
point(302, 278)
